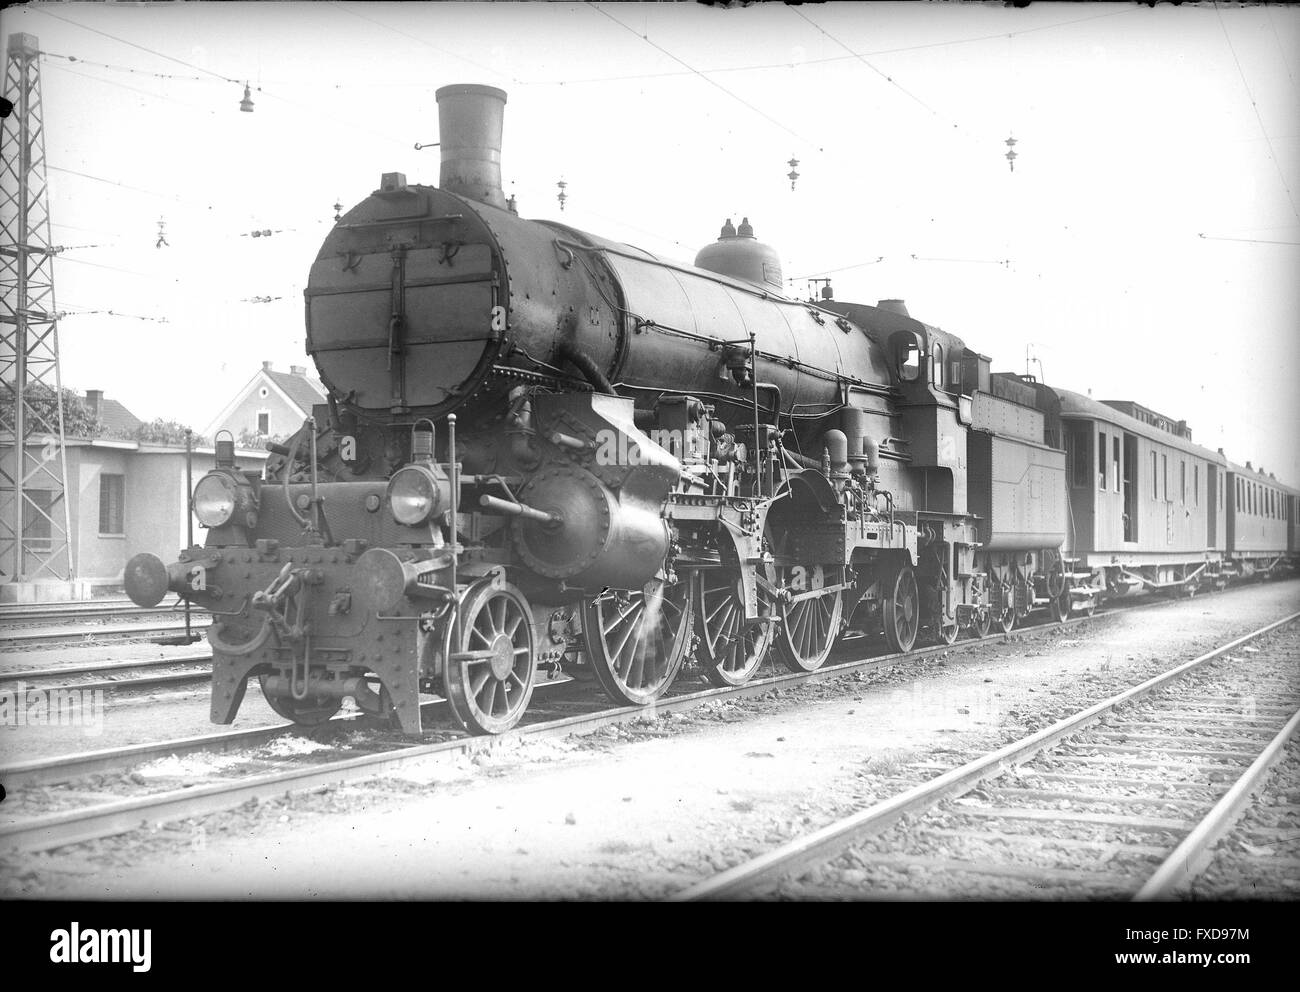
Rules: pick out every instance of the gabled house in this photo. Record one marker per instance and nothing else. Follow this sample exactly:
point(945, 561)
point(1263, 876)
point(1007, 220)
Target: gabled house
point(271, 405)
point(124, 496)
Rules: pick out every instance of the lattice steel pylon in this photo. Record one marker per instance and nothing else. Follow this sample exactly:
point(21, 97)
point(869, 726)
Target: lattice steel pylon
point(35, 517)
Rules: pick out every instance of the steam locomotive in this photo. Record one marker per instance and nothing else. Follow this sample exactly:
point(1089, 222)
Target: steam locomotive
point(543, 448)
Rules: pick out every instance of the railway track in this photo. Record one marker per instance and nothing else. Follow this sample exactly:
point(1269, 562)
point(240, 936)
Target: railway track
point(557, 712)
point(554, 713)
point(14, 613)
point(71, 634)
point(1124, 799)
point(113, 676)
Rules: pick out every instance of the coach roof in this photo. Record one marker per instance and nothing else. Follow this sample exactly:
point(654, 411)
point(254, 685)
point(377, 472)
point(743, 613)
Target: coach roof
point(1081, 407)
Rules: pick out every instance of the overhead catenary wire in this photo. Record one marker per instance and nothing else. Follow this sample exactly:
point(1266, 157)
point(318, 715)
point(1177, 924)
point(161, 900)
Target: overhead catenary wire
point(428, 44)
point(1255, 107)
point(763, 66)
point(1249, 241)
point(229, 79)
point(712, 82)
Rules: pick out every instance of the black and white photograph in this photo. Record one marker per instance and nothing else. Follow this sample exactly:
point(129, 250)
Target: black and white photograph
point(651, 452)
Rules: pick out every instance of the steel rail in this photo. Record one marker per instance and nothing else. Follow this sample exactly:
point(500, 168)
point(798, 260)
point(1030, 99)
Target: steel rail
point(47, 771)
point(101, 667)
point(1194, 854)
point(112, 818)
point(30, 613)
point(66, 767)
point(129, 685)
point(105, 630)
point(828, 842)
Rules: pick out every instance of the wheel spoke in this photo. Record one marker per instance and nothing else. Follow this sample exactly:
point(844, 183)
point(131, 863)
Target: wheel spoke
point(477, 683)
point(620, 618)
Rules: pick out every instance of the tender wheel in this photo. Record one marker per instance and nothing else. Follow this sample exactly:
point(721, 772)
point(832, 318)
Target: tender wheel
point(901, 609)
point(306, 712)
point(488, 692)
point(636, 640)
point(810, 626)
point(728, 655)
point(1060, 607)
point(1002, 607)
point(946, 633)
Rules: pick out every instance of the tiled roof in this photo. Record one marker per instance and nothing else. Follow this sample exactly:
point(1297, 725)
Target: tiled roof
point(117, 419)
point(299, 388)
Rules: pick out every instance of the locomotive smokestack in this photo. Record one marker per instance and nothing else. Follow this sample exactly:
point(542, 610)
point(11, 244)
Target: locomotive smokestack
point(470, 118)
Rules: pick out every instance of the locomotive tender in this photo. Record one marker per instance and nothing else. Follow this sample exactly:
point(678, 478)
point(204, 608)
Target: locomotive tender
point(543, 447)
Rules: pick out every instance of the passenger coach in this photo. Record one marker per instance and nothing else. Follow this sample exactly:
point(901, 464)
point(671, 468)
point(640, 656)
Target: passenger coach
point(1147, 506)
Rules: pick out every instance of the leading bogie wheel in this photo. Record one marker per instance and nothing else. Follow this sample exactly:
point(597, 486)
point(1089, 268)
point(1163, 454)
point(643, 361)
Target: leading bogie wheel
point(489, 686)
point(729, 653)
point(636, 639)
point(982, 623)
point(900, 609)
point(309, 712)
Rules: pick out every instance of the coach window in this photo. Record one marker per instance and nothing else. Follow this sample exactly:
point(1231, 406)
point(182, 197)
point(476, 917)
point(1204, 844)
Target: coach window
point(1164, 476)
point(936, 366)
point(1155, 478)
point(1101, 461)
point(1182, 481)
point(1114, 463)
point(1196, 483)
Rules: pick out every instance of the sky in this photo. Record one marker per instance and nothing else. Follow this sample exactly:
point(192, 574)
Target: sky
point(1145, 246)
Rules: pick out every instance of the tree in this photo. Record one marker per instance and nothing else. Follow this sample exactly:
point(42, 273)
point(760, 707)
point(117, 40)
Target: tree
point(78, 420)
point(162, 431)
point(248, 438)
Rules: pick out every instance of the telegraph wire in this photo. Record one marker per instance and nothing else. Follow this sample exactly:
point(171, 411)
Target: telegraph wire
point(711, 82)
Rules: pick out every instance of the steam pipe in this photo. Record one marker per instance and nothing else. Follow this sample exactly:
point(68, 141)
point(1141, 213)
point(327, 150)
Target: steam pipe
point(583, 362)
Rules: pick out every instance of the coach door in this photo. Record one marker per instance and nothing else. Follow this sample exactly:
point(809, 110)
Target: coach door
point(1130, 488)
point(1212, 518)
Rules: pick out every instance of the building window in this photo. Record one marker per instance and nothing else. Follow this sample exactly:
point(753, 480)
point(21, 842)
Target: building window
point(1101, 461)
point(111, 517)
point(1114, 467)
point(264, 422)
point(38, 507)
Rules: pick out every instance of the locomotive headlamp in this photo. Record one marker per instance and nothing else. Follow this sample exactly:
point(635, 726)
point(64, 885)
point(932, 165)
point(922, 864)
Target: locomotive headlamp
point(214, 500)
point(414, 495)
point(220, 495)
